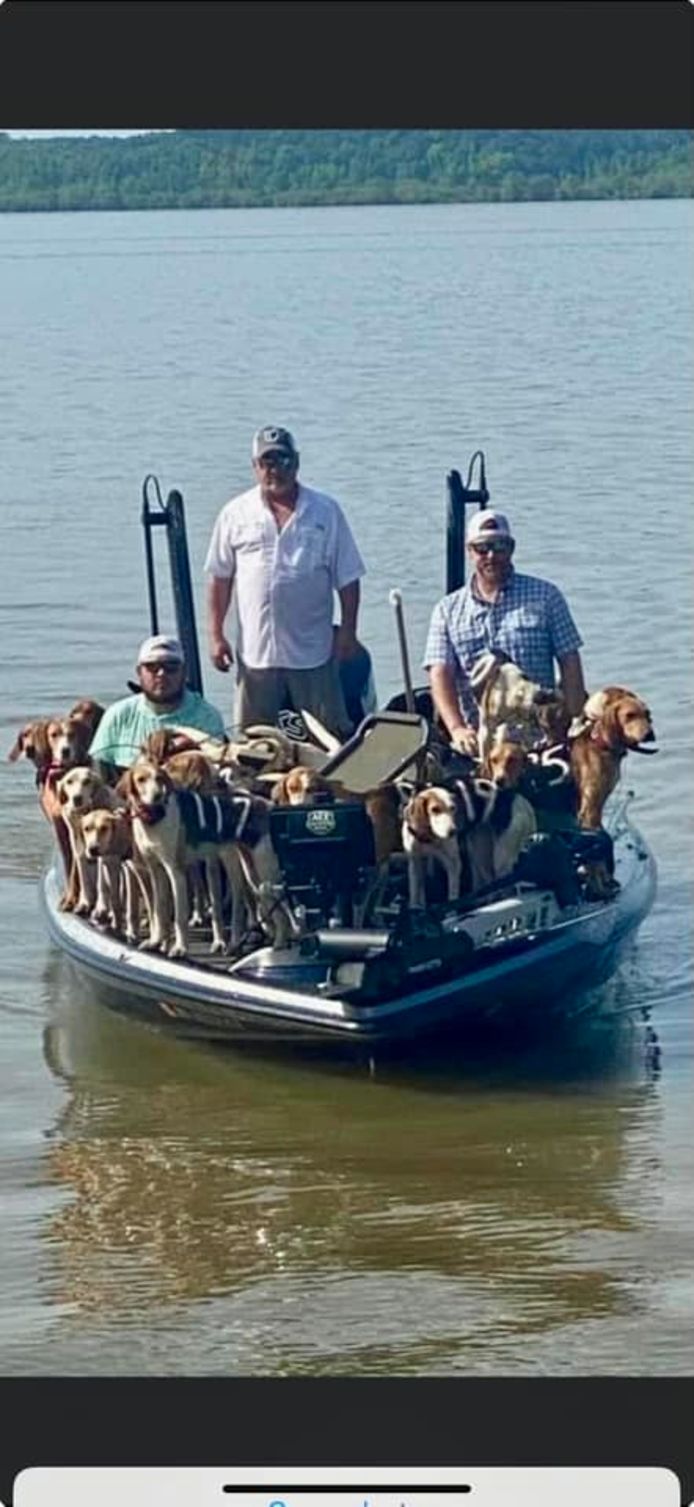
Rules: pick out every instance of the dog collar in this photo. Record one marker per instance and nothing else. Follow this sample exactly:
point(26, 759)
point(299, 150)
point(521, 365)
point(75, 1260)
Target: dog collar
point(150, 815)
point(50, 775)
point(597, 736)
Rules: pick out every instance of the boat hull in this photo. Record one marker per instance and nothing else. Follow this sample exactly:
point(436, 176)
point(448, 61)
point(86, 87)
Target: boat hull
point(523, 983)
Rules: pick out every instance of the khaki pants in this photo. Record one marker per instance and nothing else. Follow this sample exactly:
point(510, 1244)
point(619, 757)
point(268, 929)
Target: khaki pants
point(262, 694)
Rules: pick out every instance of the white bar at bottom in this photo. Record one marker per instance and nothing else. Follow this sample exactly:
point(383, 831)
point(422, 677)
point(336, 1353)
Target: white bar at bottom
point(369, 1486)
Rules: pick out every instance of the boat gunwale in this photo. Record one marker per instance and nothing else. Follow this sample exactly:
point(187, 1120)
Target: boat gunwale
point(109, 958)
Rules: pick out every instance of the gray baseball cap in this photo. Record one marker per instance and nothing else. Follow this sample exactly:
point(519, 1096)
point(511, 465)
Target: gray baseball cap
point(272, 437)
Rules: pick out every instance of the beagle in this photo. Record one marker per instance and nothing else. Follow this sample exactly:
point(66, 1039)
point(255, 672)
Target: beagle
point(505, 695)
point(468, 817)
point(79, 790)
point(174, 828)
point(54, 745)
point(299, 787)
point(108, 839)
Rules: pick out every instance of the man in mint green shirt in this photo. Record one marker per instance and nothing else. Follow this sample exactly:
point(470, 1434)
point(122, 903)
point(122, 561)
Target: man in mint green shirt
point(163, 701)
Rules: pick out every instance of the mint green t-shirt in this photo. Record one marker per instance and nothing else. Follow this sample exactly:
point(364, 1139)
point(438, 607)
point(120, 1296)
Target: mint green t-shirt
point(127, 723)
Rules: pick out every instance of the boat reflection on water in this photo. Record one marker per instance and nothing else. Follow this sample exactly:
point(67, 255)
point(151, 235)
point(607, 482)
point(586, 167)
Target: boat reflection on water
point(426, 1219)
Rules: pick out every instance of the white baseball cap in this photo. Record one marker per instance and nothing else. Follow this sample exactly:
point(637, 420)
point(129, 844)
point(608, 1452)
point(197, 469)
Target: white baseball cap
point(486, 524)
point(160, 647)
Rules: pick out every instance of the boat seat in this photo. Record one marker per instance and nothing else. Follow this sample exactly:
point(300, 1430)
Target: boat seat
point(385, 745)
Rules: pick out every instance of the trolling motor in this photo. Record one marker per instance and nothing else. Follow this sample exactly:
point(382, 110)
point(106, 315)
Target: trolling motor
point(457, 499)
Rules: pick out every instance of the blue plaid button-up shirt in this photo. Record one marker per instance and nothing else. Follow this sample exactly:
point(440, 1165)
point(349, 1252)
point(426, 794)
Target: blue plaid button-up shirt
point(529, 621)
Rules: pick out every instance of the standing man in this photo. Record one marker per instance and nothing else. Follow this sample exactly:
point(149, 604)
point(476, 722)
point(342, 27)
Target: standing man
point(288, 548)
point(524, 617)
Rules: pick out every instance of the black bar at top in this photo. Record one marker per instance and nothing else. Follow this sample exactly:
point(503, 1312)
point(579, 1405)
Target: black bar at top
point(266, 1490)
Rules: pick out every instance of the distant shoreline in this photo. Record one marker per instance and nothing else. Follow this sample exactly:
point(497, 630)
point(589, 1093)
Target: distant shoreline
point(255, 169)
point(80, 209)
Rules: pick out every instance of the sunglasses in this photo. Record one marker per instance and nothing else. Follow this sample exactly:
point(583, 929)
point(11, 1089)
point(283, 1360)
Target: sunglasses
point(168, 666)
point(279, 459)
point(494, 547)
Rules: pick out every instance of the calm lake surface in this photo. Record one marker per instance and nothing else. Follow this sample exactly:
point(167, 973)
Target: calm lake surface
point(168, 1208)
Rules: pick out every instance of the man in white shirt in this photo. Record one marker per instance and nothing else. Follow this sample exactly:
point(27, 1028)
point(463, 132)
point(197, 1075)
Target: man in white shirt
point(288, 549)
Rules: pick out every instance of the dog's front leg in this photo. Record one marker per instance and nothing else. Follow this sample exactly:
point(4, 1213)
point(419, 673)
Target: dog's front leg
point(198, 893)
point(159, 908)
point(452, 863)
point(415, 880)
point(100, 912)
point(132, 902)
point(480, 855)
point(179, 890)
point(63, 839)
point(71, 893)
point(214, 885)
point(116, 877)
point(86, 874)
point(237, 898)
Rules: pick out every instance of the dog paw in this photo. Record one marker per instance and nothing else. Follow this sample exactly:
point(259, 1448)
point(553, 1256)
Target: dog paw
point(83, 908)
point(101, 917)
point(149, 944)
point(219, 947)
point(66, 903)
point(177, 950)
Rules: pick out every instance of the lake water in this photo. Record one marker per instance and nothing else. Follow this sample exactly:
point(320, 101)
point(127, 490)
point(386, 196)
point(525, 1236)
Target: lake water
point(168, 1208)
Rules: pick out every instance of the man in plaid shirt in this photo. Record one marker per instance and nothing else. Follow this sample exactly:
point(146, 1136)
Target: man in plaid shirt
point(523, 617)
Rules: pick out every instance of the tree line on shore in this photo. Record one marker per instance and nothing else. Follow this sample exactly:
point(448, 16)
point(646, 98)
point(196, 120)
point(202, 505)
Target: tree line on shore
point(242, 168)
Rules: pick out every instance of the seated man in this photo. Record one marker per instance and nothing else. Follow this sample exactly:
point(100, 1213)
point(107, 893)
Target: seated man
point(522, 616)
point(164, 701)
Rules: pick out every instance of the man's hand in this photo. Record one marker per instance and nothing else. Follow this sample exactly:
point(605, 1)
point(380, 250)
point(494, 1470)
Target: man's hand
point(464, 740)
point(221, 653)
point(345, 643)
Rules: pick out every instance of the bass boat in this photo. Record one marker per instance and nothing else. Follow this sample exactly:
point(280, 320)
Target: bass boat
point(366, 967)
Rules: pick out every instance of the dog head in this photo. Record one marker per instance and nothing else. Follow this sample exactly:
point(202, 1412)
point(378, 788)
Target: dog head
point(430, 815)
point(144, 785)
point(164, 743)
point(78, 789)
point(190, 770)
point(66, 741)
point(484, 671)
point(298, 786)
point(86, 715)
point(507, 761)
point(106, 834)
point(552, 717)
point(32, 743)
point(624, 719)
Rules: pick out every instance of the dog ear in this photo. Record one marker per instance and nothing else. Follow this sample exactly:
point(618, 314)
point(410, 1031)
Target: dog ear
point(124, 786)
point(166, 780)
point(482, 672)
point(279, 793)
point(417, 815)
point(62, 794)
point(611, 723)
point(17, 748)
